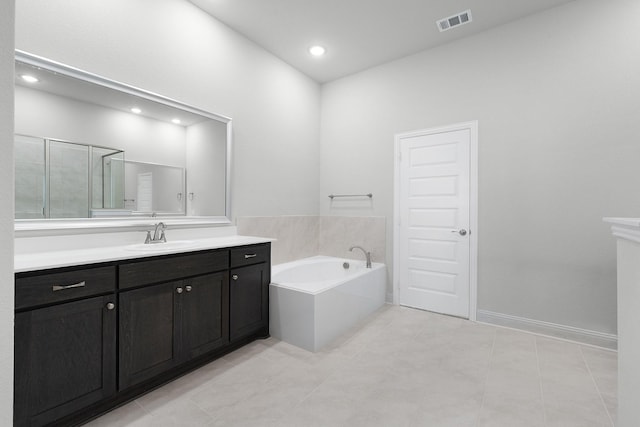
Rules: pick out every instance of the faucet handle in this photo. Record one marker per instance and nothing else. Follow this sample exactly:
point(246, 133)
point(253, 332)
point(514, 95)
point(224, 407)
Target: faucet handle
point(148, 239)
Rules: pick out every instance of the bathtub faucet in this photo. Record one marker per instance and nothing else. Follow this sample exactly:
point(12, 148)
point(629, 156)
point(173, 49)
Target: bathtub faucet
point(366, 254)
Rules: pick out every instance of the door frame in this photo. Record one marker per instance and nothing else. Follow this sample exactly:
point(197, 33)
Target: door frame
point(472, 126)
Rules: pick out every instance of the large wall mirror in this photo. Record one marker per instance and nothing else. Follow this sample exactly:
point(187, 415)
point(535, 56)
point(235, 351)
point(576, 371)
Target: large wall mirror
point(90, 149)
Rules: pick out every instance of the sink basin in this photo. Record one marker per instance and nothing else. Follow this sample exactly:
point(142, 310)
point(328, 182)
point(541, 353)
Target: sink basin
point(160, 247)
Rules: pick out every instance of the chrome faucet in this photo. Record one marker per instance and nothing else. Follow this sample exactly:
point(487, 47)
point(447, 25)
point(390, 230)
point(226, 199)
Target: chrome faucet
point(157, 238)
point(366, 254)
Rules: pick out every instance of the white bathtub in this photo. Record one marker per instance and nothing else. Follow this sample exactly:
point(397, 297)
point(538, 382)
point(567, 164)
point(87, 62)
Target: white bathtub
point(314, 300)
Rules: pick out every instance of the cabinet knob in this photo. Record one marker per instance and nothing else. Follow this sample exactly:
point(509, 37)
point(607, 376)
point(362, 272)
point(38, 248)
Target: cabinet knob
point(188, 288)
point(110, 306)
point(234, 277)
point(179, 290)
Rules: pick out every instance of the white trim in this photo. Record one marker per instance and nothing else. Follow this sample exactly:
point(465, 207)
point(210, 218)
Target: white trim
point(88, 225)
point(625, 228)
point(627, 233)
point(472, 126)
point(570, 333)
point(67, 70)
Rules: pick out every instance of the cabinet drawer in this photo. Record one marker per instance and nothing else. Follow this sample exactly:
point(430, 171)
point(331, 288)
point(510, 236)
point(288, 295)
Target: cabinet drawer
point(164, 269)
point(245, 255)
point(56, 287)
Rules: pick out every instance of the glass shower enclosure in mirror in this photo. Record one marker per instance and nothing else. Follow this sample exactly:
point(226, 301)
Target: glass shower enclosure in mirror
point(88, 147)
point(59, 179)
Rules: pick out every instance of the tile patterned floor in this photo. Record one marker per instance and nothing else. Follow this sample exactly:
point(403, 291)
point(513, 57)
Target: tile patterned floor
point(402, 367)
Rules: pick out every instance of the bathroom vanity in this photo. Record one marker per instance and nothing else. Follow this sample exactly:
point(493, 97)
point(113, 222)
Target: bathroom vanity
point(91, 336)
point(100, 316)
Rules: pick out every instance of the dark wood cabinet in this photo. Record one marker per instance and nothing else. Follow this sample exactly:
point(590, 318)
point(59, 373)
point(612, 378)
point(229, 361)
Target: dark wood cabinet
point(65, 359)
point(92, 337)
point(162, 326)
point(147, 328)
point(249, 292)
point(205, 314)
point(249, 302)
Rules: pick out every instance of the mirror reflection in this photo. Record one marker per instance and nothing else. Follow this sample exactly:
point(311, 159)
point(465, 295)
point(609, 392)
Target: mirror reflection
point(153, 188)
point(89, 147)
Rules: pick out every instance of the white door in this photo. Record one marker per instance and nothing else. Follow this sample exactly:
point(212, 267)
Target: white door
point(145, 192)
point(434, 219)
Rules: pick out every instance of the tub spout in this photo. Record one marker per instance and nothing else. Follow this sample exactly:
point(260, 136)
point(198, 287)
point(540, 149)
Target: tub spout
point(366, 254)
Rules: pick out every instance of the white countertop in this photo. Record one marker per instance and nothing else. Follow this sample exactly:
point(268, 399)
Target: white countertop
point(70, 257)
point(628, 222)
point(625, 228)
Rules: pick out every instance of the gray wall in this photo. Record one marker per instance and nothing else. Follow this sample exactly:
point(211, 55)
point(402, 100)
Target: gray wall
point(42, 114)
point(206, 173)
point(146, 43)
point(557, 97)
point(6, 212)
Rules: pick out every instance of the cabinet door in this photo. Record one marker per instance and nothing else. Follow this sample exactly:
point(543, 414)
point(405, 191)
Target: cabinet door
point(65, 359)
point(249, 300)
point(149, 332)
point(205, 314)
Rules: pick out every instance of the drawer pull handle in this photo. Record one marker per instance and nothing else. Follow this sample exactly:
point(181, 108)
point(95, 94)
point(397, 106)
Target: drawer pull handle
point(56, 288)
point(110, 306)
point(188, 288)
point(247, 256)
point(234, 277)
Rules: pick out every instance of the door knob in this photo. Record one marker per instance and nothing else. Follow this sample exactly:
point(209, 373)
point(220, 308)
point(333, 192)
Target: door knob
point(234, 277)
point(188, 288)
point(110, 306)
point(179, 290)
point(462, 232)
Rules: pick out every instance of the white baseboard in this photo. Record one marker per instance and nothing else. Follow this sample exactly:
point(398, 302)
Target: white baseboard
point(583, 336)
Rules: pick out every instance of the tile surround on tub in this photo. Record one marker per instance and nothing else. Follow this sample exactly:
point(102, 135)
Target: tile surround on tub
point(305, 236)
point(339, 233)
point(297, 236)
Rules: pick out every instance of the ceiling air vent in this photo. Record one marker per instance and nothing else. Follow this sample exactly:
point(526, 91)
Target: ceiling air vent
point(454, 21)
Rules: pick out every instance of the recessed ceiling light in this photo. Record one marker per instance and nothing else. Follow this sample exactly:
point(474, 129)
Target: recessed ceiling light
point(317, 50)
point(136, 110)
point(176, 121)
point(29, 79)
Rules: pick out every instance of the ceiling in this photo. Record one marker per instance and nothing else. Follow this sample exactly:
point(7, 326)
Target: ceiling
point(359, 34)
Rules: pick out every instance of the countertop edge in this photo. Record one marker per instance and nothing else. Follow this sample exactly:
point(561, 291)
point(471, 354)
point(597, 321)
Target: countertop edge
point(78, 257)
point(626, 222)
point(625, 228)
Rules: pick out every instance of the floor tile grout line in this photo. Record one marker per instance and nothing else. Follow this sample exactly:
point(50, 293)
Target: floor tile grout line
point(486, 377)
point(141, 406)
point(595, 383)
point(213, 418)
point(544, 406)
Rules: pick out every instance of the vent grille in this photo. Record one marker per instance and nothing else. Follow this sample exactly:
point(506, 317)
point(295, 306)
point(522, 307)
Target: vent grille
point(454, 20)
